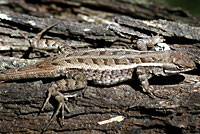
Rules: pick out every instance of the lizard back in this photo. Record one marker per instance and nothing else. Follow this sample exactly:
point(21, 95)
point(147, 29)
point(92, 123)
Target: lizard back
point(103, 66)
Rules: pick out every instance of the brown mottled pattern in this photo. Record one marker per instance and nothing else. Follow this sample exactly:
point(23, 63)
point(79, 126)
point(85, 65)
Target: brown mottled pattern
point(68, 61)
point(109, 61)
point(100, 65)
point(106, 62)
point(75, 61)
point(86, 53)
point(131, 60)
point(88, 61)
point(147, 59)
point(92, 53)
point(127, 52)
point(69, 54)
point(102, 53)
point(115, 53)
point(51, 43)
point(55, 63)
point(42, 42)
point(123, 61)
point(98, 61)
point(79, 60)
point(108, 77)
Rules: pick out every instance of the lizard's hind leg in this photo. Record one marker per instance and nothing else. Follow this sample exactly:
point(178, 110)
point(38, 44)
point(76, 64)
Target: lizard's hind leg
point(60, 98)
point(74, 80)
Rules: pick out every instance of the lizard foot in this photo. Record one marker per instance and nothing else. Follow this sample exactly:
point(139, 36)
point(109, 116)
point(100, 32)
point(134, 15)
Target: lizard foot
point(60, 98)
point(149, 90)
point(143, 76)
point(75, 80)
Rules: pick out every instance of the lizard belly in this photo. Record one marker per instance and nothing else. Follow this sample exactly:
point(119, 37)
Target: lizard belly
point(108, 77)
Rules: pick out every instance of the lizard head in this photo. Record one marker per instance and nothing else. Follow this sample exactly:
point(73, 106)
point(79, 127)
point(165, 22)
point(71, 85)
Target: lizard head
point(181, 62)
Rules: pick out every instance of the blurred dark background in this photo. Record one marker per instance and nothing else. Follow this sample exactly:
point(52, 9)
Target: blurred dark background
point(191, 5)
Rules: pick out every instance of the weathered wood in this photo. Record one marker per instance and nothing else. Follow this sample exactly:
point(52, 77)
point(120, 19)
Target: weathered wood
point(176, 106)
point(124, 31)
point(144, 9)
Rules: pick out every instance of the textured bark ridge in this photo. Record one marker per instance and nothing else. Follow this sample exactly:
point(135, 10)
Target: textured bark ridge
point(122, 108)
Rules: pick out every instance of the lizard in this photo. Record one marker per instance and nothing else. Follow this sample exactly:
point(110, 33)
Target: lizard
point(103, 66)
point(38, 43)
point(144, 43)
point(48, 44)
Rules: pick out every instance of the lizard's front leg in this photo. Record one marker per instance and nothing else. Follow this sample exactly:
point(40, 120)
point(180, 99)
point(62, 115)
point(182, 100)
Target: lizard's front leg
point(143, 44)
point(143, 76)
point(74, 80)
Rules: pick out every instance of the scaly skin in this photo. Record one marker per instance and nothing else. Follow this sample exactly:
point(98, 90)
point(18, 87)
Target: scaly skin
point(102, 67)
point(100, 62)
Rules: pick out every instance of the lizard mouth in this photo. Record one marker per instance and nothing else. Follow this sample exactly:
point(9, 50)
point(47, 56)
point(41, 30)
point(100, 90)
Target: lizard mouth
point(178, 70)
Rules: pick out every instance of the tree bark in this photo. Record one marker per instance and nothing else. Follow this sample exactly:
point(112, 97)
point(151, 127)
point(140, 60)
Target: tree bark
point(94, 24)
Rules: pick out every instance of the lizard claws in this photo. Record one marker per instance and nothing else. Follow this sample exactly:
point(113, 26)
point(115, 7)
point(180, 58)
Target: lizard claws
point(60, 98)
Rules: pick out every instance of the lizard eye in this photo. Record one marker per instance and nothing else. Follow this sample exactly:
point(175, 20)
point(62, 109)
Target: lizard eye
point(2, 72)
